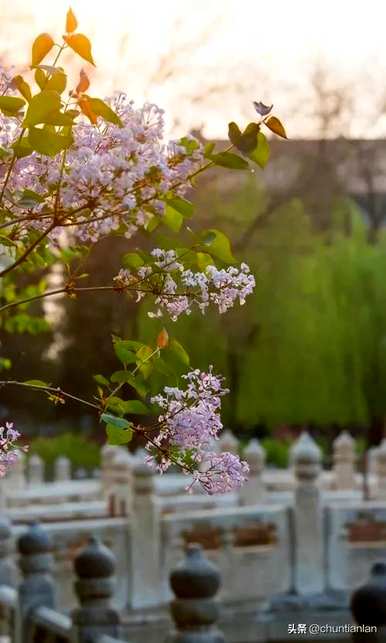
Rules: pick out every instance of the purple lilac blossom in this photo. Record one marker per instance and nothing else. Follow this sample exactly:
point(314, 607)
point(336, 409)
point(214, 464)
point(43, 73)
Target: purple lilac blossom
point(190, 424)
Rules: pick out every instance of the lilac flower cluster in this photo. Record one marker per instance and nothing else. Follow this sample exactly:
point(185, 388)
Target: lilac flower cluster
point(8, 450)
point(189, 424)
point(113, 177)
point(181, 289)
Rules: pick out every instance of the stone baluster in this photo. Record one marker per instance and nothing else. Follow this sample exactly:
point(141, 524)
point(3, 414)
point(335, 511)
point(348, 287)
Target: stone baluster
point(228, 442)
point(344, 461)
point(145, 541)
point(94, 587)
point(308, 523)
point(121, 483)
point(252, 492)
point(15, 478)
point(368, 606)
point(7, 567)
point(37, 586)
point(35, 470)
point(381, 470)
point(195, 612)
point(80, 474)
point(108, 453)
point(62, 469)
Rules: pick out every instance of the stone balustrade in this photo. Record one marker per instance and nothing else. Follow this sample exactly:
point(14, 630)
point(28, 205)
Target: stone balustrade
point(29, 614)
point(27, 492)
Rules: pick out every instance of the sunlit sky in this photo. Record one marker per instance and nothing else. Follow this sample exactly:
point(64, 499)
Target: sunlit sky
point(216, 56)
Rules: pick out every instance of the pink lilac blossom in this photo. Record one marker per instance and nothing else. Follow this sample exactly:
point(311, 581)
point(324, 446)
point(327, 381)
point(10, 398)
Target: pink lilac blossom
point(113, 176)
point(183, 289)
point(190, 423)
point(221, 473)
point(8, 450)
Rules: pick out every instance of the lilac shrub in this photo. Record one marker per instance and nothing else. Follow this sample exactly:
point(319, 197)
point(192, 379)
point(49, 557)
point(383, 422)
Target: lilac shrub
point(75, 168)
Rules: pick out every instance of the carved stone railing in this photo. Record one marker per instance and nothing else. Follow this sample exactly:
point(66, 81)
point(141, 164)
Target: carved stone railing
point(28, 613)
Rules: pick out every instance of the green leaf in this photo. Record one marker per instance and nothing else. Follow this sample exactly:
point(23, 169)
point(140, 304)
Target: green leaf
point(100, 108)
point(22, 148)
point(136, 407)
point(249, 138)
point(190, 144)
point(61, 119)
point(208, 149)
point(124, 354)
point(227, 159)
point(234, 134)
point(40, 78)
point(132, 260)
point(38, 383)
point(172, 218)
point(120, 423)
point(22, 86)
point(117, 437)
point(57, 81)
point(203, 260)
point(130, 344)
point(138, 385)
point(41, 106)
point(116, 405)
point(179, 351)
point(219, 246)
point(143, 362)
point(48, 142)
point(10, 105)
point(29, 199)
point(260, 155)
point(246, 141)
point(101, 379)
point(5, 363)
point(183, 206)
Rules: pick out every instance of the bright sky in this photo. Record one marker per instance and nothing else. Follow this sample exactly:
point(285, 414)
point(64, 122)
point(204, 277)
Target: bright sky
point(221, 54)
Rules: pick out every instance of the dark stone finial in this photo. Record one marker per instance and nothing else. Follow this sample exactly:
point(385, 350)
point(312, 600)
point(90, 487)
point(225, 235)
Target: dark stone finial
point(195, 612)
point(95, 561)
point(94, 568)
point(35, 561)
point(368, 602)
point(34, 541)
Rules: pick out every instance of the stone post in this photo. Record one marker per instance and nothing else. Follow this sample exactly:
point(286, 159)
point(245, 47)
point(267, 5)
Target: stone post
point(35, 470)
point(228, 442)
point(344, 461)
point(252, 492)
point(15, 478)
point(381, 470)
point(145, 541)
point(94, 587)
point(7, 567)
point(195, 611)
point(62, 469)
point(308, 522)
point(37, 586)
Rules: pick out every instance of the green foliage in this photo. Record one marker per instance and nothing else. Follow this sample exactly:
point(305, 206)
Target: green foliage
point(80, 451)
point(276, 451)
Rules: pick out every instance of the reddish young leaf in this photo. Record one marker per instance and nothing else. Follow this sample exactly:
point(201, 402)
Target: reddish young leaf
point(83, 84)
point(85, 107)
point(163, 339)
point(276, 126)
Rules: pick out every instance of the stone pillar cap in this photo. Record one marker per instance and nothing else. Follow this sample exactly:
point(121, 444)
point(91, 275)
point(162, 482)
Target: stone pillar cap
point(305, 450)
